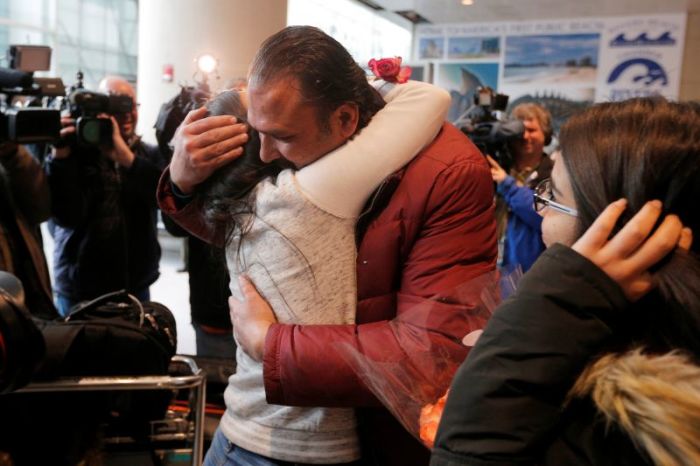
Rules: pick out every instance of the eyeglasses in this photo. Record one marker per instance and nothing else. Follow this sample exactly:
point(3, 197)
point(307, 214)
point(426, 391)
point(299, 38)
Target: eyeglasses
point(543, 198)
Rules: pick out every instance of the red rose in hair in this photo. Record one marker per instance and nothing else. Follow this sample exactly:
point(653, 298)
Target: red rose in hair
point(390, 70)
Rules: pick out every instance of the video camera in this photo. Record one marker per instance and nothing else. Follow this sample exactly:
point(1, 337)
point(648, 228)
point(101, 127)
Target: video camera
point(486, 130)
point(28, 124)
point(85, 106)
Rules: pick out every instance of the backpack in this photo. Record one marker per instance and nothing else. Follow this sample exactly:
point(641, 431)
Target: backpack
point(112, 335)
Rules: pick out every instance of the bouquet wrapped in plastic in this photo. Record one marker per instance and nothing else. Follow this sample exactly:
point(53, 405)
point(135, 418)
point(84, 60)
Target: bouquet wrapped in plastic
point(434, 338)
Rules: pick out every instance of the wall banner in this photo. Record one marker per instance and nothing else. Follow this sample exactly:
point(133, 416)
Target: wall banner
point(563, 64)
point(641, 57)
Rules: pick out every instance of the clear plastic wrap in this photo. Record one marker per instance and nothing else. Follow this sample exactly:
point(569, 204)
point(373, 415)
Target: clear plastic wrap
point(433, 338)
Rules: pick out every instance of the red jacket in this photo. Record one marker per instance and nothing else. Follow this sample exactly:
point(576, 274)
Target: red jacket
point(435, 232)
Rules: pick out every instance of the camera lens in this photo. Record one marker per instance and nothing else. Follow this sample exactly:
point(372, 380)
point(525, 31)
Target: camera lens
point(91, 132)
point(94, 131)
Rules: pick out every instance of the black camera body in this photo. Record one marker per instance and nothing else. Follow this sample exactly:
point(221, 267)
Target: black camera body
point(492, 135)
point(24, 125)
point(29, 125)
point(85, 106)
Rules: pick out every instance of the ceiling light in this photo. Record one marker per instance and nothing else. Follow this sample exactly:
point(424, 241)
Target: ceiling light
point(467, 2)
point(207, 64)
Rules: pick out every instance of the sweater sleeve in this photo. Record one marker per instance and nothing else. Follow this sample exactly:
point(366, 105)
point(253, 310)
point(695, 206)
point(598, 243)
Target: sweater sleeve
point(506, 399)
point(341, 181)
point(520, 203)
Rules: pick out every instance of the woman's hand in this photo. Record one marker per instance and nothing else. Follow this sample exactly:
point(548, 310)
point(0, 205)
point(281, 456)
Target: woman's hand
point(251, 319)
point(627, 256)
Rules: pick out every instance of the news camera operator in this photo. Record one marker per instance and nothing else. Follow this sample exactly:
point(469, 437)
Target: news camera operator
point(519, 225)
point(104, 207)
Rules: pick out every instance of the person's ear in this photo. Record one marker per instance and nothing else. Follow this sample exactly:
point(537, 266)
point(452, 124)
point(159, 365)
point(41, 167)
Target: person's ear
point(347, 117)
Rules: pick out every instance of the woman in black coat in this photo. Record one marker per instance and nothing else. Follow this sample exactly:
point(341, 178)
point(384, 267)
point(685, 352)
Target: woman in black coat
point(578, 367)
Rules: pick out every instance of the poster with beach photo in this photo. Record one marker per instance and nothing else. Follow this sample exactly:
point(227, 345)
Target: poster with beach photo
point(473, 47)
point(462, 81)
point(556, 59)
point(431, 47)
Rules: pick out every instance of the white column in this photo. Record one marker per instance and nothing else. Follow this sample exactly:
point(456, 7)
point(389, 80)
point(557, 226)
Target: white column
point(177, 31)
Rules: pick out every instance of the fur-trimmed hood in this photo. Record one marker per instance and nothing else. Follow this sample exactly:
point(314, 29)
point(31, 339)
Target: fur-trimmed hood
point(655, 399)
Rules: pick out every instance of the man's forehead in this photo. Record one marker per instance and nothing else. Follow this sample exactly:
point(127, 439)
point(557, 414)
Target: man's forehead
point(116, 84)
point(280, 91)
point(275, 104)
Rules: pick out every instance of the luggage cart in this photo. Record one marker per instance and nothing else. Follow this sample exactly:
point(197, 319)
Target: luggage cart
point(195, 381)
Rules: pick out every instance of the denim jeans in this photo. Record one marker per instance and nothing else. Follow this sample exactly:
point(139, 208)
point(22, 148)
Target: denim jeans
point(214, 345)
point(224, 453)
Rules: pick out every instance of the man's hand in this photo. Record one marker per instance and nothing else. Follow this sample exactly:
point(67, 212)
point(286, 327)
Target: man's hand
point(627, 257)
point(119, 152)
point(251, 319)
point(497, 173)
point(67, 132)
point(203, 145)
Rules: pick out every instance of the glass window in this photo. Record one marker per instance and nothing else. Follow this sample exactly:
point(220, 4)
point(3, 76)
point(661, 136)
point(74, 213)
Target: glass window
point(365, 34)
point(29, 12)
point(99, 37)
point(92, 30)
point(4, 42)
point(69, 26)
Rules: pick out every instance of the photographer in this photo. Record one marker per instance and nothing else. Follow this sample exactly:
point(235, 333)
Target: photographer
point(519, 226)
point(104, 209)
point(24, 204)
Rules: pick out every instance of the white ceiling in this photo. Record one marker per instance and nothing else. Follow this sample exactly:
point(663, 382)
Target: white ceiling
point(452, 11)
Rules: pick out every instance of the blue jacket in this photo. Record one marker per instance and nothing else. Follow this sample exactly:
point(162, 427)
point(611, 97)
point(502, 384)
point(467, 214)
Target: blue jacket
point(523, 237)
point(105, 222)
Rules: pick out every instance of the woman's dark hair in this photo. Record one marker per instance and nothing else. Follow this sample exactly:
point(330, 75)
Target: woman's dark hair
point(225, 195)
point(327, 73)
point(644, 149)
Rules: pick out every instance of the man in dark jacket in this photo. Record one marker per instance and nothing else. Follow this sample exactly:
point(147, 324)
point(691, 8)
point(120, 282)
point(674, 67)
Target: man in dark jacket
point(24, 204)
point(104, 210)
point(430, 229)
